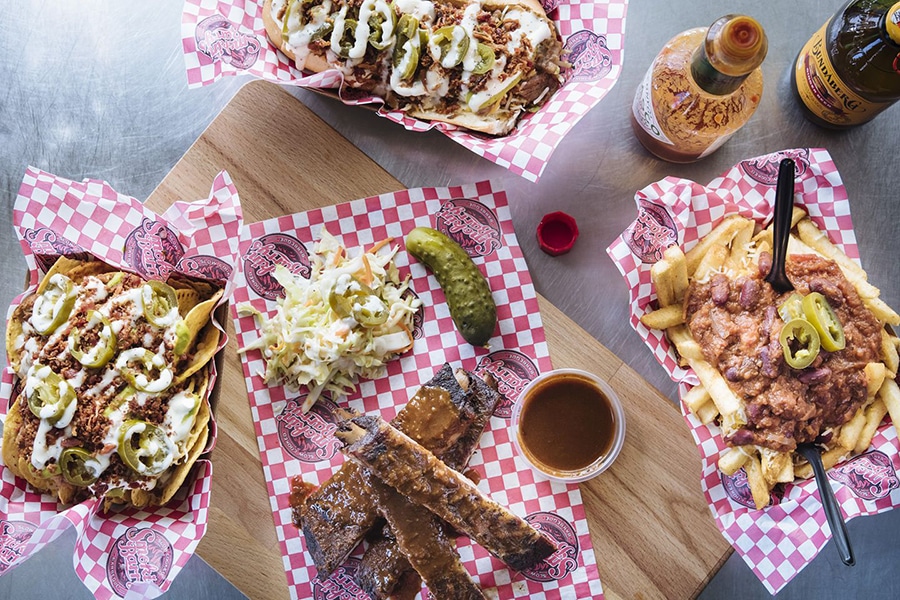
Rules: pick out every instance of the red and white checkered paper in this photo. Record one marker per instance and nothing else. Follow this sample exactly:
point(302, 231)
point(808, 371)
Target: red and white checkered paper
point(525, 151)
point(779, 540)
point(91, 217)
point(504, 476)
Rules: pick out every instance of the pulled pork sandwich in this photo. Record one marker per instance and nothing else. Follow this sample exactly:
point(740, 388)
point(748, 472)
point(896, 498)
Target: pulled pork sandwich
point(113, 380)
point(479, 65)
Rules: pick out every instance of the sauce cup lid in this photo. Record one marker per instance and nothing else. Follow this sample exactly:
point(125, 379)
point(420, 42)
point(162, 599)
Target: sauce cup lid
point(605, 460)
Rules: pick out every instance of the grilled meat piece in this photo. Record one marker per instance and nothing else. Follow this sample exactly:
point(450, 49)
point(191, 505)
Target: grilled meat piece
point(423, 478)
point(336, 517)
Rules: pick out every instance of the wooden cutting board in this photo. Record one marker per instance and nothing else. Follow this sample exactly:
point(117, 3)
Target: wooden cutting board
point(653, 534)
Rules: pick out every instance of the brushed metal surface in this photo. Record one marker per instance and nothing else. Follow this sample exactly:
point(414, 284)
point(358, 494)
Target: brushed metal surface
point(97, 89)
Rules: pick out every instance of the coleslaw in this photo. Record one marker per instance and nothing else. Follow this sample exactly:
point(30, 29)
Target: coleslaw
point(346, 321)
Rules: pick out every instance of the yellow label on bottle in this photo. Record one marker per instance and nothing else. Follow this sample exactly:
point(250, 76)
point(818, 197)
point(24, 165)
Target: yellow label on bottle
point(822, 90)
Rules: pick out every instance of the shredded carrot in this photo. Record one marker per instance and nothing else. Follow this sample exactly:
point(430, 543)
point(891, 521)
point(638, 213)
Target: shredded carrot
point(411, 340)
point(339, 253)
point(379, 245)
point(368, 278)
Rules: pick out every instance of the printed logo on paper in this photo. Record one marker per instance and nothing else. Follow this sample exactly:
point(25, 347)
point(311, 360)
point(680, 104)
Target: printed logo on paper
point(14, 536)
point(550, 5)
point(418, 329)
point(764, 169)
point(470, 224)
point(205, 267)
point(738, 489)
point(219, 39)
point(512, 371)
point(153, 250)
point(565, 559)
point(341, 585)
point(309, 437)
point(268, 252)
point(651, 232)
point(591, 60)
point(871, 475)
point(47, 246)
point(140, 555)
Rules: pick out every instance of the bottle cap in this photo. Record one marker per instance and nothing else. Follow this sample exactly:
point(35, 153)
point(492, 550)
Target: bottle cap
point(892, 23)
point(556, 233)
point(736, 45)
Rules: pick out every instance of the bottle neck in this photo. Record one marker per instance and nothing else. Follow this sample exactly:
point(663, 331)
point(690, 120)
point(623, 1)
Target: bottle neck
point(710, 79)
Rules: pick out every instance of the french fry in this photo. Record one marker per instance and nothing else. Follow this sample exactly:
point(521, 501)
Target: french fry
point(777, 467)
point(731, 461)
point(875, 372)
point(663, 318)
point(889, 353)
point(712, 261)
point(661, 274)
point(882, 311)
point(707, 413)
point(852, 430)
point(829, 459)
point(890, 395)
point(687, 347)
point(678, 265)
point(818, 240)
point(722, 235)
point(725, 400)
point(874, 415)
point(757, 482)
point(739, 258)
point(696, 397)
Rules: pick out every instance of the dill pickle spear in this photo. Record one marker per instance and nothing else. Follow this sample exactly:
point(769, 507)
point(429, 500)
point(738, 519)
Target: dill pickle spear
point(468, 294)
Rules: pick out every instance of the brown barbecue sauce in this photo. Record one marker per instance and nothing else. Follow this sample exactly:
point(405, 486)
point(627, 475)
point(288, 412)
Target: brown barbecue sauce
point(566, 423)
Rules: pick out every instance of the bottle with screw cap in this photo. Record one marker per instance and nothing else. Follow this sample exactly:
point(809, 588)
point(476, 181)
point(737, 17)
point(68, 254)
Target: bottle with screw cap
point(702, 87)
point(849, 70)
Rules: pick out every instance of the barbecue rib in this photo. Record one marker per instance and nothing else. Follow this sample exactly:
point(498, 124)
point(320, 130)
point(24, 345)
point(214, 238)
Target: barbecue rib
point(336, 517)
point(421, 477)
point(383, 563)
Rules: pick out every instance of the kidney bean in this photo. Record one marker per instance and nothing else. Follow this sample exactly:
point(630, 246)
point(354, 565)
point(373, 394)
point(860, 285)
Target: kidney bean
point(765, 263)
point(829, 289)
point(749, 293)
point(719, 290)
point(741, 437)
point(811, 376)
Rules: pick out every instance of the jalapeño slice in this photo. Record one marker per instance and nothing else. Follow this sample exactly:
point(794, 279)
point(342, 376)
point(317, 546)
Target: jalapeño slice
point(50, 399)
point(144, 447)
point(102, 351)
point(449, 45)
point(380, 33)
point(407, 48)
point(818, 311)
point(74, 468)
point(160, 304)
point(53, 305)
point(800, 343)
point(137, 366)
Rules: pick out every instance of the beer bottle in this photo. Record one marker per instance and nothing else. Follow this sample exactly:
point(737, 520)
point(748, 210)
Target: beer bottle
point(702, 87)
point(849, 71)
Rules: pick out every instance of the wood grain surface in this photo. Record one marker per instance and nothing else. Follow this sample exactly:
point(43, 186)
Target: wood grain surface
point(653, 534)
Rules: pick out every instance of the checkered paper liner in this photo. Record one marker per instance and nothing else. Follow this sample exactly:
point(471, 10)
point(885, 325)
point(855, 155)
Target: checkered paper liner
point(779, 540)
point(572, 571)
point(123, 552)
point(227, 37)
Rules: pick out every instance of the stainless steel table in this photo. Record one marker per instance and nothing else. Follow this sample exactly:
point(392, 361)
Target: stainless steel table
point(97, 89)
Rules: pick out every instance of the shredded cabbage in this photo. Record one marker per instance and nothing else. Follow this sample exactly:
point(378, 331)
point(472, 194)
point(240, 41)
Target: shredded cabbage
point(346, 321)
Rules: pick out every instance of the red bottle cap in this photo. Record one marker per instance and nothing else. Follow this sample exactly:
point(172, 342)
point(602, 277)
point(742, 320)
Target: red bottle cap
point(556, 233)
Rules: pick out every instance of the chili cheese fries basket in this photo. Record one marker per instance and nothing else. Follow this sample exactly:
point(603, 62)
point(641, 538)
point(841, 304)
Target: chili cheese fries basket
point(110, 374)
point(762, 372)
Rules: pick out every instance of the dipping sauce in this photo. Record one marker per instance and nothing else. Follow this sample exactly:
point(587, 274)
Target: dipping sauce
point(567, 424)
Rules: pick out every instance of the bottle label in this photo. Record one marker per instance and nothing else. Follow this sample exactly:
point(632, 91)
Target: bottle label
point(823, 92)
point(643, 109)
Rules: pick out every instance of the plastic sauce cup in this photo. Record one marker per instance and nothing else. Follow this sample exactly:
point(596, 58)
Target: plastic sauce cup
point(568, 425)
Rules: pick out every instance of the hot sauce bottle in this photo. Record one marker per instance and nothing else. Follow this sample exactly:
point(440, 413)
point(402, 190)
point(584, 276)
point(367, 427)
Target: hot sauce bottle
point(849, 71)
point(702, 87)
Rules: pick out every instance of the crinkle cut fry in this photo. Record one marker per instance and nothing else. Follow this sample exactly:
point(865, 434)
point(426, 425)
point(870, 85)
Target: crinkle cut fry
point(384, 563)
point(338, 515)
point(420, 476)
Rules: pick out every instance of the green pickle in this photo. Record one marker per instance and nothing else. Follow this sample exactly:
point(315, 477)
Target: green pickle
point(468, 294)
